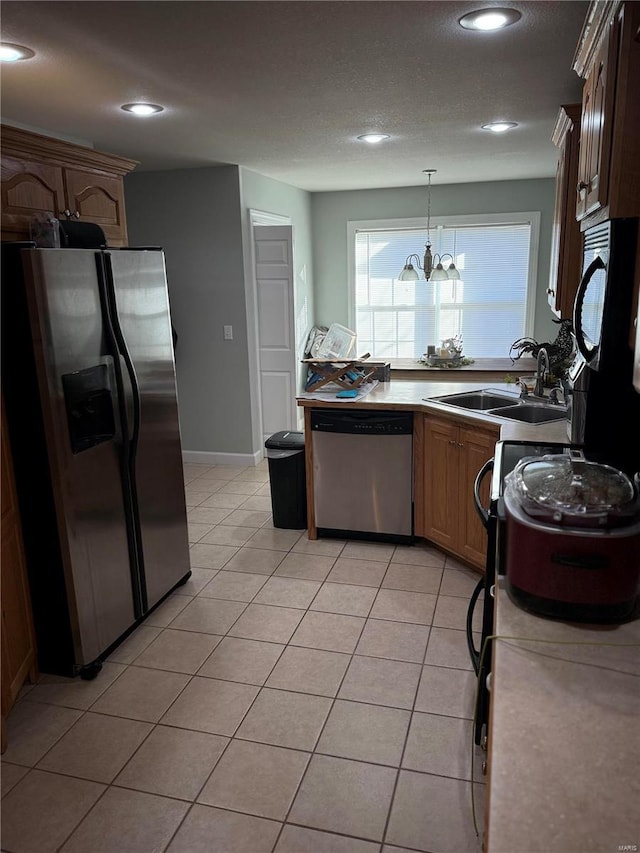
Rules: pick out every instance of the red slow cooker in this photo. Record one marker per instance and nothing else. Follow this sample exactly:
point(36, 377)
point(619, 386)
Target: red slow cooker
point(573, 538)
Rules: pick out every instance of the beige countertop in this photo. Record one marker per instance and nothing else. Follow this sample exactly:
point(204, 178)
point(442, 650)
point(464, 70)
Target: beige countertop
point(565, 735)
point(418, 396)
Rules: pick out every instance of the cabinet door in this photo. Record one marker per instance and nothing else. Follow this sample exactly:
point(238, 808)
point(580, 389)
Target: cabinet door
point(440, 450)
point(476, 446)
point(559, 214)
point(28, 188)
point(92, 197)
point(18, 643)
point(595, 138)
point(566, 240)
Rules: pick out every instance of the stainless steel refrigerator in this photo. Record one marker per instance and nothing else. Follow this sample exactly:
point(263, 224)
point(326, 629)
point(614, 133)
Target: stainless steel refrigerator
point(89, 387)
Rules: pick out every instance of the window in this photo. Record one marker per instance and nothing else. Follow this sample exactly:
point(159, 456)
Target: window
point(490, 306)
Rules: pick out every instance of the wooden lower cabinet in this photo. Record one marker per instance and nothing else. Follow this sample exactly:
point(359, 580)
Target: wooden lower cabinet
point(452, 454)
point(18, 638)
point(441, 454)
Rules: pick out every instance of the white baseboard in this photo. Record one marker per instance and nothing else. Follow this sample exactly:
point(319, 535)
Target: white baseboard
point(204, 457)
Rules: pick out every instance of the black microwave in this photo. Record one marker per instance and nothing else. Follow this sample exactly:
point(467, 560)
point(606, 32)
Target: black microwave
point(605, 407)
point(602, 309)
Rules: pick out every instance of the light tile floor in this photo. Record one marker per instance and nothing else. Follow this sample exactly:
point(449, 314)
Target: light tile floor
point(294, 696)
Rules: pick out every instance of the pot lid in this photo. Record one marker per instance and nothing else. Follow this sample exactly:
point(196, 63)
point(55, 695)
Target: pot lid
point(568, 488)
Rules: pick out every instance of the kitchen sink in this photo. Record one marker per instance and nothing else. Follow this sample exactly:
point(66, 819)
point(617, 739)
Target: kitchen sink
point(479, 400)
point(530, 414)
point(506, 406)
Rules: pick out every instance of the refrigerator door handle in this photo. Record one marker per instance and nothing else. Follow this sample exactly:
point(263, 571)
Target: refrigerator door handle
point(116, 345)
point(123, 352)
point(129, 418)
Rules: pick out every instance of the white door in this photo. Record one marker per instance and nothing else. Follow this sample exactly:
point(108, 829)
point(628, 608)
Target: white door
point(273, 246)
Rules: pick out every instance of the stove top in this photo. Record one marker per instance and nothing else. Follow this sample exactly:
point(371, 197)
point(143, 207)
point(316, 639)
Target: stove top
point(509, 453)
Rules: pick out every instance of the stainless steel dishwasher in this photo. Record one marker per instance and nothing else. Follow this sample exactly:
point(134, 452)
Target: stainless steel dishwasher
point(362, 473)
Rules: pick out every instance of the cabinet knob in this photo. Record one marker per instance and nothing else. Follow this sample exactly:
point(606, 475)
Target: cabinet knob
point(485, 767)
point(76, 214)
point(582, 186)
point(484, 743)
point(451, 441)
point(460, 444)
point(549, 291)
point(66, 212)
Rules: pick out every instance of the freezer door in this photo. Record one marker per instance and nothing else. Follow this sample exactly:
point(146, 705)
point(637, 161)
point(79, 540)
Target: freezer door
point(142, 303)
point(80, 411)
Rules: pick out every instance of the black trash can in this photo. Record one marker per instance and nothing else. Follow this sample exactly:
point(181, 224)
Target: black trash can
point(285, 452)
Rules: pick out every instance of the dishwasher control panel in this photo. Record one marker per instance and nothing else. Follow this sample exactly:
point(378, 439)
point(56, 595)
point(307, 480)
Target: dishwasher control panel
point(362, 422)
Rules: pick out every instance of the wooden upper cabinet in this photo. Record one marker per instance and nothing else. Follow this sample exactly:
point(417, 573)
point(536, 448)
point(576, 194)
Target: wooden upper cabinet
point(28, 187)
point(97, 198)
point(566, 239)
point(597, 121)
point(608, 58)
point(42, 174)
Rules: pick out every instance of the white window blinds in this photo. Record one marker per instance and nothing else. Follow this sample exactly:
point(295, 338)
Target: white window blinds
point(488, 306)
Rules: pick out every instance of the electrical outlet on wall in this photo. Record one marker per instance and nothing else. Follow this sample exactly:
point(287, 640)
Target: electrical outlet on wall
point(228, 333)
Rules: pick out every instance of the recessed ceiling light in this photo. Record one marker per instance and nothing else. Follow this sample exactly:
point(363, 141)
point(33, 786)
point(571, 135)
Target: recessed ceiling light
point(13, 52)
point(500, 126)
point(142, 109)
point(487, 20)
point(374, 138)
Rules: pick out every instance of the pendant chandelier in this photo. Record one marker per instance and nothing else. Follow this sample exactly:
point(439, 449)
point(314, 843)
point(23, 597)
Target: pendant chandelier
point(431, 265)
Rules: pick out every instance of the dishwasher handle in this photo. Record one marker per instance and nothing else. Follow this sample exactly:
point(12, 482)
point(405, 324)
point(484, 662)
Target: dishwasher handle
point(362, 422)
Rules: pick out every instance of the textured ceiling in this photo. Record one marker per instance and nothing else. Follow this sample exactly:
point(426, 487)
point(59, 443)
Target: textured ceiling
point(284, 88)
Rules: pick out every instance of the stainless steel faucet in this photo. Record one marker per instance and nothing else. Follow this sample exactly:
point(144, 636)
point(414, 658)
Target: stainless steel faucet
point(543, 356)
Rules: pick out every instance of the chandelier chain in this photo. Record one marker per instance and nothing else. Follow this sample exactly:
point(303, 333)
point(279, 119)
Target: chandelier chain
point(429, 210)
point(430, 273)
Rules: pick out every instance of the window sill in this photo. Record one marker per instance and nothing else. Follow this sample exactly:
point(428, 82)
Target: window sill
point(482, 368)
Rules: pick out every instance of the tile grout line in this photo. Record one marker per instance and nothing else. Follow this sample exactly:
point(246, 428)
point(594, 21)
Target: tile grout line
point(233, 736)
point(406, 738)
point(334, 699)
point(154, 726)
point(352, 655)
point(369, 704)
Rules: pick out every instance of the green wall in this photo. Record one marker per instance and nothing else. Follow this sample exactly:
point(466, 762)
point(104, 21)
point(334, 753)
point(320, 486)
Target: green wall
point(331, 212)
point(200, 218)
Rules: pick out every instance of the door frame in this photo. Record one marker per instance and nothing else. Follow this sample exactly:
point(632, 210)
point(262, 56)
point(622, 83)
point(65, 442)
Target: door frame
point(257, 217)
